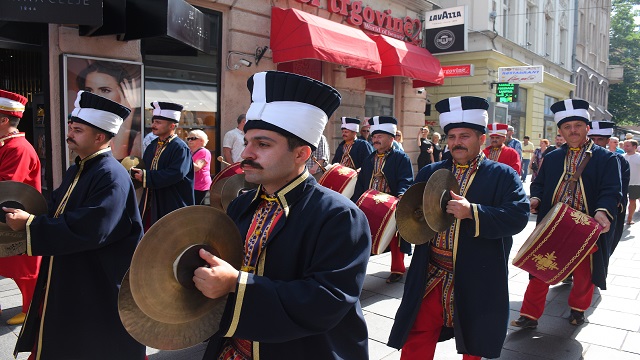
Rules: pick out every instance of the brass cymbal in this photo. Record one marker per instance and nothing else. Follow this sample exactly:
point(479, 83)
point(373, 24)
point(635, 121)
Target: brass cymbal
point(412, 225)
point(233, 187)
point(162, 268)
point(215, 193)
point(162, 335)
point(21, 196)
point(130, 162)
point(435, 198)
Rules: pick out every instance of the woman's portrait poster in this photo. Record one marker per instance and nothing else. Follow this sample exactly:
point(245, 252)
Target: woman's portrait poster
point(118, 80)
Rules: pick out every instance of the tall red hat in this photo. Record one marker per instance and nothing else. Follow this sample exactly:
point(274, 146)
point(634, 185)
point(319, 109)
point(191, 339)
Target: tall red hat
point(12, 104)
point(498, 129)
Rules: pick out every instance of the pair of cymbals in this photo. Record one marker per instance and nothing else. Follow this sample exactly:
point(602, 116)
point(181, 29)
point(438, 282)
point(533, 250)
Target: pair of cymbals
point(21, 196)
point(421, 212)
point(158, 302)
point(133, 162)
point(224, 191)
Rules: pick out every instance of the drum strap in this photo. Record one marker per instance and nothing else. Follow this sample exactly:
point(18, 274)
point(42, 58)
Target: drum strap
point(574, 178)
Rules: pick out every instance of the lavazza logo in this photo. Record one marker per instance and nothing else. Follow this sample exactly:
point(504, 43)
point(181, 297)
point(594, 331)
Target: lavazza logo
point(444, 39)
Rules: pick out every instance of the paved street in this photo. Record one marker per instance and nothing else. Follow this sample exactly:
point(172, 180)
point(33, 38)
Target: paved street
point(612, 330)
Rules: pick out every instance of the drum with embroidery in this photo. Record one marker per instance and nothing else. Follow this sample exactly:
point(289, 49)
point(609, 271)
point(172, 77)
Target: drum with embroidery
point(380, 209)
point(558, 244)
point(340, 178)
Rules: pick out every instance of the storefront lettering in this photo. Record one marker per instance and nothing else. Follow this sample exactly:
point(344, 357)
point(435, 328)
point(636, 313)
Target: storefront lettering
point(378, 21)
point(59, 2)
point(445, 15)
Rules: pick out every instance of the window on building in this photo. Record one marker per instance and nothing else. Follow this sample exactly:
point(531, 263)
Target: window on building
point(530, 27)
point(564, 34)
point(549, 38)
point(550, 128)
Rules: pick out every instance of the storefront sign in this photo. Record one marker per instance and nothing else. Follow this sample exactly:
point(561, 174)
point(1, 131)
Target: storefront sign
point(458, 70)
point(446, 30)
point(176, 19)
point(521, 74)
point(382, 22)
point(81, 12)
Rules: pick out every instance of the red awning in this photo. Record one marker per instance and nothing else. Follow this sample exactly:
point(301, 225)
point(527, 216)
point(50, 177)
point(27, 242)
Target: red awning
point(297, 35)
point(400, 58)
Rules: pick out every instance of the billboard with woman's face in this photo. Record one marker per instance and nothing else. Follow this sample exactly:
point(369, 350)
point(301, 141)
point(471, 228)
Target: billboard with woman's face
point(118, 80)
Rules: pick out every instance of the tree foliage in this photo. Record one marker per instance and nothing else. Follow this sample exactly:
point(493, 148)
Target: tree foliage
point(624, 49)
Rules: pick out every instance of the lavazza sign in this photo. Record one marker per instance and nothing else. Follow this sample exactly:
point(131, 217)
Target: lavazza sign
point(382, 22)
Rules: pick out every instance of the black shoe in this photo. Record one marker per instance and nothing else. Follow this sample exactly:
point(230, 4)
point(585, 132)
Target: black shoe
point(576, 318)
point(525, 323)
point(394, 278)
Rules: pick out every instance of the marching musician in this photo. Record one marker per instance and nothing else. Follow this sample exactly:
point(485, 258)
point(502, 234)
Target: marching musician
point(597, 193)
point(600, 132)
point(352, 151)
point(498, 151)
point(457, 283)
point(389, 171)
point(306, 247)
point(87, 241)
point(18, 162)
point(168, 182)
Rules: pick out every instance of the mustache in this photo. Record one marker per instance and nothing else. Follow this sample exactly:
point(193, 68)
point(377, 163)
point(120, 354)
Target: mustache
point(251, 163)
point(377, 143)
point(69, 140)
point(459, 147)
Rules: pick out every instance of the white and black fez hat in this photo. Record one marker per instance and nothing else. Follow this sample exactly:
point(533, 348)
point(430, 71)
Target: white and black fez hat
point(601, 128)
point(99, 112)
point(290, 104)
point(497, 129)
point(570, 110)
point(463, 112)
point(166, 111)
point(349, 123)
point(12, 104)
point(383, 125)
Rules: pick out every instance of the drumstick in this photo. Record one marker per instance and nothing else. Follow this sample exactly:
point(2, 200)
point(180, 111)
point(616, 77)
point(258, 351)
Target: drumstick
point(317, 162)
point(221, 159)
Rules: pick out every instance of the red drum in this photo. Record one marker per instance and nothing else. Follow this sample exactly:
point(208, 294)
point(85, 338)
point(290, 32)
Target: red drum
point(380, 209)
point(558, 244)
point(340, 178)
point(230, 170)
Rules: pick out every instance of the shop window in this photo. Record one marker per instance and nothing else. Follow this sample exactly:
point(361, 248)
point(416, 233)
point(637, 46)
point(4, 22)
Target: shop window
point(175, 72)
point(379, 97)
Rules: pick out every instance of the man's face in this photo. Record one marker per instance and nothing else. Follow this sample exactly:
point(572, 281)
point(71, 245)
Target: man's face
point(82, 139)
point(364, 132)
point(162, 128)
point(348, 135)
point(613, 144)
point(509, 133)
point(629, 148)
point(268, 161)
point(600, 140)
point(496, 140)
point(525, 141)
point(559, 140)
point(574, 132)
point(382, 142)
point(464, 144)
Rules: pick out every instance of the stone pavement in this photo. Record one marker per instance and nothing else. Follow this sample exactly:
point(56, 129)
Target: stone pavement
point(612, 330)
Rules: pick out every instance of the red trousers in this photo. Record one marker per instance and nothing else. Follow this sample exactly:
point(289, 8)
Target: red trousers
point(397, 257)
point(579, 298)
point(423, 337)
